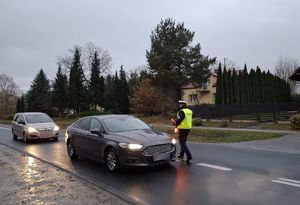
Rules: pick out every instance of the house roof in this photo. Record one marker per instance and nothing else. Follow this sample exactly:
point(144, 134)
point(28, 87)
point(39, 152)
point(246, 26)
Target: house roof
point(296, 75)
point(191, 84)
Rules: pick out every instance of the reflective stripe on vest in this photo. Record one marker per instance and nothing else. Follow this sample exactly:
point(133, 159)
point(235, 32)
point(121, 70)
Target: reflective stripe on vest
point(187, 121)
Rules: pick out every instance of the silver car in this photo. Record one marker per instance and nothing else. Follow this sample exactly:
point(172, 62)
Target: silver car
point(34, 125)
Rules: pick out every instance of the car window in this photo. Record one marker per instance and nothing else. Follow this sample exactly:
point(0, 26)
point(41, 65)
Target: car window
point(16, 118)
point(95, 124)
point(84, 124)
point(37, 118)
point(124, 124)
point(21, 118)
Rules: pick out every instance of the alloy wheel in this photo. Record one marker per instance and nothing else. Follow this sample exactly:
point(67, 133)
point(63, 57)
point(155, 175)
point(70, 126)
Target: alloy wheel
point(111, 160)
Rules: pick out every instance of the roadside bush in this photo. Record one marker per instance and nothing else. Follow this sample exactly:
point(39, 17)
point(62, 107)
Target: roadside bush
point(295, 122)
point(197, 122)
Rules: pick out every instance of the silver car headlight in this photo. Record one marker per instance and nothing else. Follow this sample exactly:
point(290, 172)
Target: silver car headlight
point(173, 141)
point(56, 128)
point(31, 129)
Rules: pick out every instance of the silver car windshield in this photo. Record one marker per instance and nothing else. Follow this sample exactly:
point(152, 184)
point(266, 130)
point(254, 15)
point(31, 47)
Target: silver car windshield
point(124, 124)
point(37, 118)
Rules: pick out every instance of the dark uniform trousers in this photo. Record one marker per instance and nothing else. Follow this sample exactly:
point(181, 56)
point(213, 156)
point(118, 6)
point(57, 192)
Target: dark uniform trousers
point(183, 133)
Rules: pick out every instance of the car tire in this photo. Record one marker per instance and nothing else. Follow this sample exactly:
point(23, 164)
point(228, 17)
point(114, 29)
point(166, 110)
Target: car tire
point(55, 139)
point(15, 137)
point(71, 150)
point(111, 160)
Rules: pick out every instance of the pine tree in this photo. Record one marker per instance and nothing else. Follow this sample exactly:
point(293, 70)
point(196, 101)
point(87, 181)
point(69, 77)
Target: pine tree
point(225, 86)
point(95, 87)
point(258, 85)
point(111, 103)
point(22, 104)
point(220, 86)
point(77, 89)
point(124, 105)
point(18, 108)
point(60, 91)
point(38, 96)
point(173, 59)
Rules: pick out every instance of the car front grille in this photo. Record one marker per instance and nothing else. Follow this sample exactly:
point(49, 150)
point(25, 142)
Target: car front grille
point(158, 149)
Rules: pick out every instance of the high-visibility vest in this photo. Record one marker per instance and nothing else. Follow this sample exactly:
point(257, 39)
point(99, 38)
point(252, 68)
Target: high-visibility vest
point(186, 123)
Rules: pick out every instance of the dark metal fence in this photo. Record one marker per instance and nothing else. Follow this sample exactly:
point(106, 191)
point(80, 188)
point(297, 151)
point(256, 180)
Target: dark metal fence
point(258, 112)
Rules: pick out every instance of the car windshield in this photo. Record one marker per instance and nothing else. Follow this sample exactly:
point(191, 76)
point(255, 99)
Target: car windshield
point(37, 118)
point(124, 124)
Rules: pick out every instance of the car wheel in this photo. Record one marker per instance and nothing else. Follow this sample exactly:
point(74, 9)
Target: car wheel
point(15, 137)
point(111, 160)
point(55, 139)
point(71, 150)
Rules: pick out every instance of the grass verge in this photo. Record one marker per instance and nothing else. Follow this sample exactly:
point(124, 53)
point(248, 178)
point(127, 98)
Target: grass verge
point(221, 136)
point(278, 126)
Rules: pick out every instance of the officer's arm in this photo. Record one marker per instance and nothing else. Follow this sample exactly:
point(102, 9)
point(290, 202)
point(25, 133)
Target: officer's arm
point(180, 118)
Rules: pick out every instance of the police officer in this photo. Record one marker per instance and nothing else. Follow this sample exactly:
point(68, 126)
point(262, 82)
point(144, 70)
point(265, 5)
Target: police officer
point(184, 125)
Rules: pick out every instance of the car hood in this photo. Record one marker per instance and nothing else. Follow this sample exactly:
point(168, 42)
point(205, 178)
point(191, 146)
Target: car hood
point(48, 125)
point(145, 137)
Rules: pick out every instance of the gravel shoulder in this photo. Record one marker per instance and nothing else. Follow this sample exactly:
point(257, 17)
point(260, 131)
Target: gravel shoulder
point(27, 180)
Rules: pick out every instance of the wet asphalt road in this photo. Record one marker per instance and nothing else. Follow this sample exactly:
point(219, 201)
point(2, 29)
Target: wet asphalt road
point(218, 175)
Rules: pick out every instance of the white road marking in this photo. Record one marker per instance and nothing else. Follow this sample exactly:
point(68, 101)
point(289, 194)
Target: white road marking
point(5, 128)
point(289, 182)
point(215, 167)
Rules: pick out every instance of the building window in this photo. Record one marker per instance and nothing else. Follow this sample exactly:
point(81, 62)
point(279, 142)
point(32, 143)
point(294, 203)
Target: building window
point(193, 98)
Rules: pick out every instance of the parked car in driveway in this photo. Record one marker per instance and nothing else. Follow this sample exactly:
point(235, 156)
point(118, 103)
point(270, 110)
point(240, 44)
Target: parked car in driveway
point(119, 140)
point(34, 125)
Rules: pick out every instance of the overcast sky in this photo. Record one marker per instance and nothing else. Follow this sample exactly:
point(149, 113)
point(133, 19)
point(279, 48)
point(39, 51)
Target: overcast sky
point(33, 33)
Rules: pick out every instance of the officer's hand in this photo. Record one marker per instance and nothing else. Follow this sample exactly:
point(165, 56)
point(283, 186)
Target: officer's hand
point(173, 121)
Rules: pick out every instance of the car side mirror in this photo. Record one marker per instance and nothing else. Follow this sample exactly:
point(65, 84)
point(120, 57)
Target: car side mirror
point(151, 126)
point(96, 131)
point(21, 122)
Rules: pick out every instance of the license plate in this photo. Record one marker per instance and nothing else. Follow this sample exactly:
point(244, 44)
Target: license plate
point(161, 156)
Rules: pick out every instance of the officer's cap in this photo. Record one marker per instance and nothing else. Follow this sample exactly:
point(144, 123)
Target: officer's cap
point(182, 102)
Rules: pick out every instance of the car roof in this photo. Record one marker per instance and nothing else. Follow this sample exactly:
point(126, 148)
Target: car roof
point(31, 113)
point(109, 116)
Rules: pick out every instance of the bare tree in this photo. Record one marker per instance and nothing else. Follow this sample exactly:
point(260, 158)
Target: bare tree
point(8, 95)
point(285, 66)
point(87, 53)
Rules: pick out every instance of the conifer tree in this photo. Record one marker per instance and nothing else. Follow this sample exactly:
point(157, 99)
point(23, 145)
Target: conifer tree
point(38, 96)
point(95, 86)
point(124, 105)
point(77, 89)
point(220, 86)
point(60, 91)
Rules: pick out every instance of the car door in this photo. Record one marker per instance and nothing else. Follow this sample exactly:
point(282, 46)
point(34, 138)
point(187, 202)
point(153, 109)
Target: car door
point(20, 125)
point(79, 136)
point(14, 124)
point(95, 142)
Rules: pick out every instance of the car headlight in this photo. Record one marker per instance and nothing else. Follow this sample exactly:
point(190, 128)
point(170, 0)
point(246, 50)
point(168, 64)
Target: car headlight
point(31, 129)
point(56, 128)
point(135, 146)
point(131, 146)
point(174, 141)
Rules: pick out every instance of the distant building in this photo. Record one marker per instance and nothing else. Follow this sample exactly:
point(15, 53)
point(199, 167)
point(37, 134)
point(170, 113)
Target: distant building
point(195, 94)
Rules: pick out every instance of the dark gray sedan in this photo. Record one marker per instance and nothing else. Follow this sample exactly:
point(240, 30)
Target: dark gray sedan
point(119, 140)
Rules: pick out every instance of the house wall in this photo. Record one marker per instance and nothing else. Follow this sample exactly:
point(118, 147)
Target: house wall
point(202, 96)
